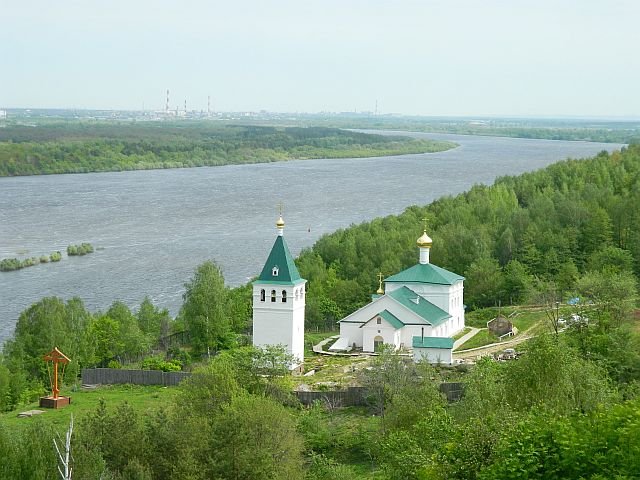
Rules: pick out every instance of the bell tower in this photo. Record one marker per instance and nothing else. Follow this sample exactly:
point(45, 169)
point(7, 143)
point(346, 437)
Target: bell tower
point(279, 301)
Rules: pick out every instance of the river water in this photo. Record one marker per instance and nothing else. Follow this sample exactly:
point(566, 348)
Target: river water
point(152, 228)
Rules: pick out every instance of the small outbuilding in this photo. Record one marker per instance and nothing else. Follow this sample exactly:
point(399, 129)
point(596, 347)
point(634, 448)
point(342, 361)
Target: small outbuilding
point(433, 349)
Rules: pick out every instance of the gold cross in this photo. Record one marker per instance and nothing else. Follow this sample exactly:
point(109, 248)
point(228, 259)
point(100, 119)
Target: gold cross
point(280, 207)
point(425, 219)
point(380, 290)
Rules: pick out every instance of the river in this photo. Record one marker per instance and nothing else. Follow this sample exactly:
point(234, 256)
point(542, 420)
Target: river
point(152, 228)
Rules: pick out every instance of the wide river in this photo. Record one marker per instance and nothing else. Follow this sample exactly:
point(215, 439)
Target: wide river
point(152, 228)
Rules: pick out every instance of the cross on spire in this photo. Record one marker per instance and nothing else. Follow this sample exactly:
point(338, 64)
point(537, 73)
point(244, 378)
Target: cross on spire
point(380, 290)
point(425, 220)
point(280, 206)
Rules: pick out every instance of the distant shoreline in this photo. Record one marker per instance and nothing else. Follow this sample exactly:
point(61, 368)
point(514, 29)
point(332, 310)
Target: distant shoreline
point(77, 148)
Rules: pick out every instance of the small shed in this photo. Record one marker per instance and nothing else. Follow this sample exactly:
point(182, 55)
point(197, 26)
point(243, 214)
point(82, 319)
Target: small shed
point(500, 326)
point(433, 349)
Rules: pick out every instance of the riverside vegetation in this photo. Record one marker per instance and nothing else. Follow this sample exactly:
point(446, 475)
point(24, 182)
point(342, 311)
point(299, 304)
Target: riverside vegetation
point(569, 408)
point(80, 147)
point(11, 264)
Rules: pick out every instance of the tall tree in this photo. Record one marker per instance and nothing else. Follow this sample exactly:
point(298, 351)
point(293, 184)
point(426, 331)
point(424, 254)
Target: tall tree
point(205, 310)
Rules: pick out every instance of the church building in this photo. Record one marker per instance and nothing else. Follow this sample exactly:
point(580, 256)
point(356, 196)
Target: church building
point(279, 301)
point(419, 309)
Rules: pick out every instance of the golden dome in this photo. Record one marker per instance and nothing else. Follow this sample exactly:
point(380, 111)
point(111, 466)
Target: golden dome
point(380, 291)
point(280, 222)
point(425, 241)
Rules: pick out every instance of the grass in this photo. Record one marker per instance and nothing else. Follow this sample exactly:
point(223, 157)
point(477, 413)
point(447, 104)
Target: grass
point(142, 398)
point(480, 339)
point(313, 338)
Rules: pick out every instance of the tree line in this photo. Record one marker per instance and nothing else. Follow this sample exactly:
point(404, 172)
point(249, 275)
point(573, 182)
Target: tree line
point(572, 229)
point(568, 408)
point(99, 147)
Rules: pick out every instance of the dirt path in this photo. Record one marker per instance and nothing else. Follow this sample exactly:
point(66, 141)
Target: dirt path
point(476, 353)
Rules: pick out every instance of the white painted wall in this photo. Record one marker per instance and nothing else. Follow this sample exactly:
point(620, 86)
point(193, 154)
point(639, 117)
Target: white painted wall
point(433, 355)
point(279, 322)
point(371, 330)
point(353, 332)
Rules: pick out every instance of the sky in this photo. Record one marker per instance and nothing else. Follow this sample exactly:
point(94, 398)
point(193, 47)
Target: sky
point(412, 57)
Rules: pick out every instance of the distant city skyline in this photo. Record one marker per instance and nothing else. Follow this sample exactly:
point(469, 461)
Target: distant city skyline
point(520, 58)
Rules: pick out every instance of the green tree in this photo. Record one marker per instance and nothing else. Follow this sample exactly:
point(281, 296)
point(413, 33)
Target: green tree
point(485, 283)
point(254, 437)
point(152, 321)
point(205, 309)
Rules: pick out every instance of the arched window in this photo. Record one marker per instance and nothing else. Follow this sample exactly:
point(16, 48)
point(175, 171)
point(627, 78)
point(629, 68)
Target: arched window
point(284, 296)
point(262, 295)
point(379, 321)
point(302, 292)
point(297, 293)
point(273, 295)
point(275, 271)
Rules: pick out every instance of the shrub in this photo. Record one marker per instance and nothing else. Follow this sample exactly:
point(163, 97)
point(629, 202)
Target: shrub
point(157, 363)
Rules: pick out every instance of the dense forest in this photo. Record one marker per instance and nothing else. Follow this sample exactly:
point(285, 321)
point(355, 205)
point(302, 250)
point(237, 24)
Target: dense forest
point(547, 235)
point(77, 147)
point(568, 408)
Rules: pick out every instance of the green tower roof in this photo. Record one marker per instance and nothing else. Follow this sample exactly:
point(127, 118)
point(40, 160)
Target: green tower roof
point(425, 273)
point(280, 267)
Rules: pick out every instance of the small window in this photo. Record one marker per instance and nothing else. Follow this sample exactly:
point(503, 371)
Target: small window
point(273, 295)
point(379, 321)
point(275, 271)
point(297, 293)
point(262, 295)
point(284, 296)
point(302, 292)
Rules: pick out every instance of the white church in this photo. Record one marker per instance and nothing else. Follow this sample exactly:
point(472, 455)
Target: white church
point(419, 309)
point(279, 300)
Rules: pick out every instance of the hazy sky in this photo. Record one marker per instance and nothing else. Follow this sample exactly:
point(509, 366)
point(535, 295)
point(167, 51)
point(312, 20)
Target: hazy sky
point(428, 57)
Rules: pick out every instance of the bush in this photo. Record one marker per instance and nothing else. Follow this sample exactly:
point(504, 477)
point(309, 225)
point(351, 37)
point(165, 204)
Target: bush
point(55, 256)
point(114, 364)
point(9, 264)
point(157, 363)
point(79, 250)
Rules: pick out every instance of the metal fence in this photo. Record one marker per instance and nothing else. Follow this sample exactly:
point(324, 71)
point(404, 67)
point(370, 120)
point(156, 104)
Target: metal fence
point(110, 376)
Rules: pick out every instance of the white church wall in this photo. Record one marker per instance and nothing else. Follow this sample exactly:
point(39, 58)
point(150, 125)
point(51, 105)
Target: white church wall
point(371, 332)
point(373, 329)
point(353, 332)
point(410, 331)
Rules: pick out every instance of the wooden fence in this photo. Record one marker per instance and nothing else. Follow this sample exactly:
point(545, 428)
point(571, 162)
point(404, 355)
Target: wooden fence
point(352, 396)
point(110, 376)
point(452, 390)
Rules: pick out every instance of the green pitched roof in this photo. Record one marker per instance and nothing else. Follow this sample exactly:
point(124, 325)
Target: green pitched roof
point(431, 313)
point(425, 273)
point(432, 342)
point(389, 317)
point(281, 258)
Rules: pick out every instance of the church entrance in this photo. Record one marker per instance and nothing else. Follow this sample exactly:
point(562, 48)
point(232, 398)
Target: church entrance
point(377, 343)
